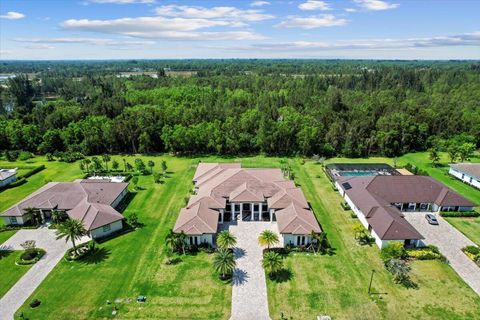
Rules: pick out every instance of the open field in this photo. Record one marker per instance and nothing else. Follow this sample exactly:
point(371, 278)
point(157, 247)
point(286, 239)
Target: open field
point(10, 272)
point(337, 285)
point(132, 264)
point(468, 226)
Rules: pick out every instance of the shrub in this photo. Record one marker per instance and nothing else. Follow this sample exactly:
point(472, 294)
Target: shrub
point(400, 270)
point(11, 155)
point(35, 303)
point(424, 254)
point(83, 250)
point(25, 155)
point(30, 256)
point(462, 214)
point(393, 251)
point(345, 205)
point(472, 250)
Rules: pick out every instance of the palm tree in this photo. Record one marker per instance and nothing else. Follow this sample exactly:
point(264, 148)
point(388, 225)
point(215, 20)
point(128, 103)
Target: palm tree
point(267, 238)
point(151, 164)
point(226, 240)
point(272, 262)
point(106, 159)
point(181, 238)
point(224, 262)
point(171, 240)
point(33, 214)
point(71, 229)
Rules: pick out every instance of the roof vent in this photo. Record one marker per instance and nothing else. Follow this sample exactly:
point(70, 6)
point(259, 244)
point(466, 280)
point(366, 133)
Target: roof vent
point(346, 186)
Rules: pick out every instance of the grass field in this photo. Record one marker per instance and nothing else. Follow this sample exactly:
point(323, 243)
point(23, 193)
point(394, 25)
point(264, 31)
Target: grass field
point(10, 273)
point(132, 264)
point(468, 226)
point(337, 285)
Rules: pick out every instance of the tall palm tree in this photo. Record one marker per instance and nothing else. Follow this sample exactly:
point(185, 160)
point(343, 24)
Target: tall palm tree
point(181, 238)
point(267, 238)
point(171, 240)
point(224, 262)
point(106, 159)
point(272, 262)
point(226, 239)
point(71, 229)
point(33, 214)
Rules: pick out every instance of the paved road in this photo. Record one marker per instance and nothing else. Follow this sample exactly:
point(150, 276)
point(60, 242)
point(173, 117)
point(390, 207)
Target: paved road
point(21, 291)
point(249, 292)
point(450, 241)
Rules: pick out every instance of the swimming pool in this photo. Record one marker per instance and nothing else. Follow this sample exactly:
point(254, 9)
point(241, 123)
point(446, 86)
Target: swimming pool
point(358, 173)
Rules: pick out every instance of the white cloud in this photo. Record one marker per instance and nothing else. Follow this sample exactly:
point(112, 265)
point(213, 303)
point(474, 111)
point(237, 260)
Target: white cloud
point(259, 3)
point(122, 1)
point(160, 28)
point(350, 10)
point(90, 41)
point(314, 5)
point(221, 13)
point(312, 22)
point(465, 39)
point(12, 15)
point(376, 5)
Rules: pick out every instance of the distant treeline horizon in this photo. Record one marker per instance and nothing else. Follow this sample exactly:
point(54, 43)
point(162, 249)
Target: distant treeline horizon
point(334, 107)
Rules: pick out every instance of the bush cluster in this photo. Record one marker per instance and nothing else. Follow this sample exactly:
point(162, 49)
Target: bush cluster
point(30, 256)
point(81, 248)
point(426, 253)
point(345, 205)
point(473, 253)
point(415, 170)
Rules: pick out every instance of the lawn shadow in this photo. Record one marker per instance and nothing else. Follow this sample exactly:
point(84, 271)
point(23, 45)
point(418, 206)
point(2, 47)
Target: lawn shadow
point(283, 275)
point(239, 277)
point(97, 256)
point(175, 261)
point(410, 284)
point(4, 253)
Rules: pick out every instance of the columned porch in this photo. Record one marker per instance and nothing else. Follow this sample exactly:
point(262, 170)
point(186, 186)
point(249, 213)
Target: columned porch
point(250, 211)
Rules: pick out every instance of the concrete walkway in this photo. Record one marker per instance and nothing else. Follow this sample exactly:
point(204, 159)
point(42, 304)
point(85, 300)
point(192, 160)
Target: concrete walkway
point(45, 238)
point(249, 292)
point(450, 241)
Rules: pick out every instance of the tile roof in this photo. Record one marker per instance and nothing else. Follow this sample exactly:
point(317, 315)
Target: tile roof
point(374, 196)
point(215, 183)
point(471, 169)
point(89, 202)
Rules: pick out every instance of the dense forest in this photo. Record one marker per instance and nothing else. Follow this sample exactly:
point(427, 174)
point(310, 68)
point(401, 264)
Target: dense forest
point(306, 107)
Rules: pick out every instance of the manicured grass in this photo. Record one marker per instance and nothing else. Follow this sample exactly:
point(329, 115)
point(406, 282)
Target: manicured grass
point(133, 264)
point(5, 235)
point(468, 226)
point(337, 285)
point(10, 273)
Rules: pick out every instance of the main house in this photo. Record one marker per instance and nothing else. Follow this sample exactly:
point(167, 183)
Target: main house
point(7, 176)
point(381, 202)
point(467, 172)
point(226, 192)
point(93, 202)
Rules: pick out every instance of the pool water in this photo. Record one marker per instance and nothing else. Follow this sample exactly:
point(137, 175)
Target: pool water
point(358, 173)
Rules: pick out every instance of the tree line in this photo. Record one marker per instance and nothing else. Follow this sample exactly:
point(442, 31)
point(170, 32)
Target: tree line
point(350, 108)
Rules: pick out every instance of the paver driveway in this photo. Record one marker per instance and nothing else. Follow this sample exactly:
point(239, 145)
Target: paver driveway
point(450, 241)
point(249, 292)
point(45, 238)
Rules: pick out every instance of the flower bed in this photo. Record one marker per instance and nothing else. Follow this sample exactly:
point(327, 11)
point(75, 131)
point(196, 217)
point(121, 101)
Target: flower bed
point(82, 250)
point(30, 256)
point(425, 253)
point(473, 253)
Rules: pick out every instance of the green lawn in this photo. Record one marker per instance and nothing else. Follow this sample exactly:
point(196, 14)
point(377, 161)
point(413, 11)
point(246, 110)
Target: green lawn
point(10, 273)
point(468, 226)
point(133, 264)
point(337, 285)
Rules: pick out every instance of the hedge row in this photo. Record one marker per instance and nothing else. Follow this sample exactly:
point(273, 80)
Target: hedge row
point(32, 172)
point(460, 214)
point(425, 253)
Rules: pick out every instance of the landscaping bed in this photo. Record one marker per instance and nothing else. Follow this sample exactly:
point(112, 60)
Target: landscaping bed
point(82, 250)
point(473, 253)
point(30, 256)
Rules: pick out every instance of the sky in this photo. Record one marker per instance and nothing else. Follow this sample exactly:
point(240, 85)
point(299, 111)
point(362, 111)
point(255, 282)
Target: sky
point(163, 29)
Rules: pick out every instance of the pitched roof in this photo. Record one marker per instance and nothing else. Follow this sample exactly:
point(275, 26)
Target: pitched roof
point(470, 169)
point(215, 183)
point(374, 196)
point(295, 219)
point(89, 202)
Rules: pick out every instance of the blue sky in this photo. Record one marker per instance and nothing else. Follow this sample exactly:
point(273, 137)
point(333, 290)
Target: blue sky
point(125, 29)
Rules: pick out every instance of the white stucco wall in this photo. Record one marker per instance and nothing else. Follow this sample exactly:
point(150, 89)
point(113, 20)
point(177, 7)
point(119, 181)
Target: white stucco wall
point(291, 239)
point(8, 222)
point(99, 233)
point(466, 178)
